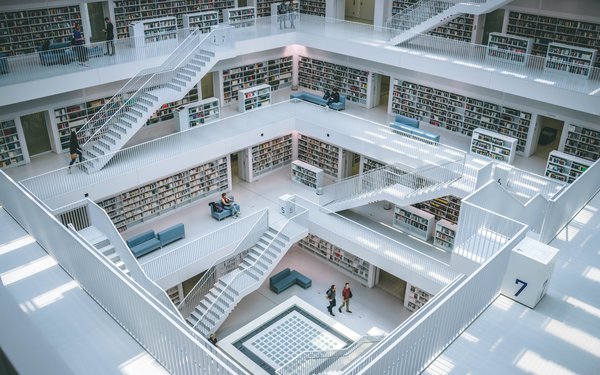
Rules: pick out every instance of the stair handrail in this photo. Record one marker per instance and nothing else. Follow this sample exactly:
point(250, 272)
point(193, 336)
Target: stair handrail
point(300, 211)
point(166, 70)
point(201, 288)
point(418, 13)
point(299, 362)
point(117, 100)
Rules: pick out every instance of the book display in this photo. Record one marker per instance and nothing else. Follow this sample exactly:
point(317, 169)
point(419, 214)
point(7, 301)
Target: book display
point(320, 154)
point(415, 298)
point(128, 11)
point(443, 208)
point(21, 31)
point(544, 30)
point(261, 159)
point(495, 146)
point(565, 167)
point(276, 72)
point(254, 97)
point(319, 75)
point(367, 164)
point(11, 153)
point(158, 197)
point(197, 113)
point(570, 59)
point(166, 111)
point(445, 233)
point(203, 20)
point(240, 17)
point(307, 174)
point(458, 113)
point(583, 142)
point(153, 30)
point(509, 48)
point(360, 269)
point(313, 7)
point(414, 221)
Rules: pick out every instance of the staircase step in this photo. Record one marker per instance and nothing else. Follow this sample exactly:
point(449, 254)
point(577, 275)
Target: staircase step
point(173, 86)
point(135, 112)
point(146, 102)
point(98, 150)
point(187, 72)
point(110, 139)
point(179, 82)
point(103, 144)
point(197, 62)
point(150, 97)
point(139, 107)
point(207, 52)
point(114, 133)
point(129, 117)
point(184, 77)
point(119, 127)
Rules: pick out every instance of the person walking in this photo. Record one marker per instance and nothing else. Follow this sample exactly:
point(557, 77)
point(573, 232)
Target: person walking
point(346, 295)
point(331, 298)
point(291, 10)
point(110, 35)
point(74, 149)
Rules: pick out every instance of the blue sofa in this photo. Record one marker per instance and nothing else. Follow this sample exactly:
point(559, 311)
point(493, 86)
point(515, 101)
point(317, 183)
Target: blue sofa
point(57, 53)
point(404, 120)
point(144, 243)
point(3, 63)
point(220, 215)
point(286, 278)
point(409, 126)
point(171, 234)
point(315, 99)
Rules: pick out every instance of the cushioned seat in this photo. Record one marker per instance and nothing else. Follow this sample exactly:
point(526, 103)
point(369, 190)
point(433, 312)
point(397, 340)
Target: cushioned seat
point(315, 99)
point(286, 278)
point(144, 243)
point(3, 63)
point(171, 234)
point(407, 121)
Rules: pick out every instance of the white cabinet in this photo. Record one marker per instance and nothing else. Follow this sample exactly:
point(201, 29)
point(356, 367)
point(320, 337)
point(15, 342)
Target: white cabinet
point(570, 59)
point(445, 233)
point(254, 97)
point(153, 30)
point(240, 17)
point(197, 113)
point(415, 298)
point(203, 20)
point(307, 174)
point(414, 221)
point(492, 145)
point(504, 47)
point(565, 167)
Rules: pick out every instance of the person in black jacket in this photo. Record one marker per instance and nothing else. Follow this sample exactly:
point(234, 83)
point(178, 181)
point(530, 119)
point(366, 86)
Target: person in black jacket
point(110, 35)
point(334, 98)
point(74, 149)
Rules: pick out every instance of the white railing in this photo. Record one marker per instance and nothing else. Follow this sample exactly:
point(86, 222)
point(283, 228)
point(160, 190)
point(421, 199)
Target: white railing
point(525, 185)
point(75, 213)
point(215, 271)
point(417, 13)
point(429, 331)
point(175, 348)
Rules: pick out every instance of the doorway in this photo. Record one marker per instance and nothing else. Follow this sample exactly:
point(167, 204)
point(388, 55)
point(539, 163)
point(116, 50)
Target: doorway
point(96, 13)
point(493, 24)
point(37, 136)
point(362, 11)
point(207, 87)
point(392, 284)
point(548, 137)
point(384, 91)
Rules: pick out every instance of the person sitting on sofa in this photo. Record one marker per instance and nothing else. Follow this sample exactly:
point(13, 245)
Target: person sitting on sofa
point(334, 97)
point(229, 204)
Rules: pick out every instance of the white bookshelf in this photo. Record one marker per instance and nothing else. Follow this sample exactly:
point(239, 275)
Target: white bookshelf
point(11, 153)
point(197, 113)
point(313, 7)
point(167, 110)
point(175, 294)
point(368, 164)
point(415, 298)
point(350, 264)
point(583, 142)
point(570, 59)
point(492, 145)
point(202, 20)
point(565, 167)
point(446, 208)
point(261, 159)
point(414, 221)
point(240, 17)
point(153, 31)
point(254, 97)
point(307, 174)
point(145, 202)
point(445, 233)
point(323, 155)
point(511, 48)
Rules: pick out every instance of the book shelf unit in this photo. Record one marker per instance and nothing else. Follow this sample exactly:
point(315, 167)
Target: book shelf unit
point(197, 113)
point(128, 11)
point(275, 72)
point(495, 146)
point(367, 164)
point(307, 174)
point(443, 208)
point(565, 167)
point(153, 30)
point(313, 7)
point(319, 75)
point(266, 157)
point(545, 30)
point(254, 97)
point(21, 31)
point(175, 294)
point(458, 113)
point(352, 265)
point(202, 20)
point(11, 153)
point(166, 111)
point(240, 17)
point(583, 142)
point(504, 47)
point(320, 154)
point(414, 221)
point(415, 298)
point(570, 59)
point(445, 233)
point(158, 197)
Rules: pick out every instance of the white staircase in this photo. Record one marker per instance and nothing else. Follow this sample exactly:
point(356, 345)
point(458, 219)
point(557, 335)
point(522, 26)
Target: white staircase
point(127, 112)
point(104, 246)
point(230, 288)
point(426, 15)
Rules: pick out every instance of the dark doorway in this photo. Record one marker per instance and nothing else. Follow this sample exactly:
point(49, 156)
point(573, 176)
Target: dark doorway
point(36, 134)
point(96, 13)
point(493, 24)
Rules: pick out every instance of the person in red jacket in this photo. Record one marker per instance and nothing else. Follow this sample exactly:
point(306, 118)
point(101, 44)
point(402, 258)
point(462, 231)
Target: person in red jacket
point(346, 295)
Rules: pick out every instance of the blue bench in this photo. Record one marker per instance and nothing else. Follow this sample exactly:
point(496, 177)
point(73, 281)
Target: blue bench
point(410, 127)
point(403, 120)
point(3, 63)
point(315, 99)
point(220, 215)
point(286, 278)
point(171, 234)
point(143, 243)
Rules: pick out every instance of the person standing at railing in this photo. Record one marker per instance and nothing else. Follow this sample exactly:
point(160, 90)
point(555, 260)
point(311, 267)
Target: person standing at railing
point(282, 15)
point(78, 45)
point(74, 149)
point(291, 13)
point(110, 35)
